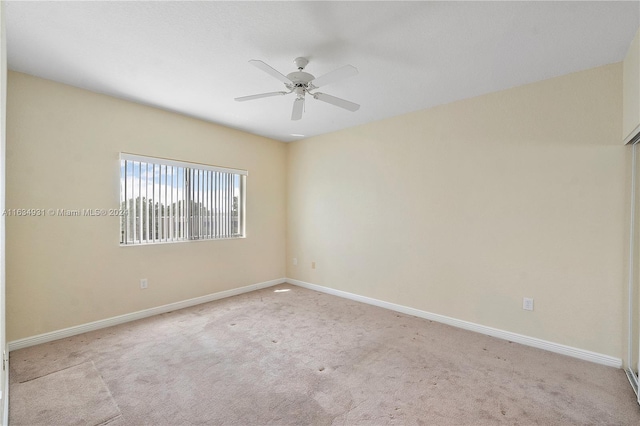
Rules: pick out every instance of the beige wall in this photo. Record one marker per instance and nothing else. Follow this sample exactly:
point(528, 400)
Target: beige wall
point(463, 209)
point(62, 152)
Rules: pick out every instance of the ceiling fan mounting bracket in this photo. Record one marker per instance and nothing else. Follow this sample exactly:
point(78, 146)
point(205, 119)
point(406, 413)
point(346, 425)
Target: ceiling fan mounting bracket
point(300, 62)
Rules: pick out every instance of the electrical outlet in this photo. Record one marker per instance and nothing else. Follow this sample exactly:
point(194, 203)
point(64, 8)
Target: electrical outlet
point(295, 261)
point(144, 283)
point(313, 265)
point(527, 304)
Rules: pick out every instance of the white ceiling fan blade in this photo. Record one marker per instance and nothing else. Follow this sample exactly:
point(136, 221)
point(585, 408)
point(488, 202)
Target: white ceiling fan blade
point(262, 95)
point(298, 106)
point(335, 75)
point(271, 71)
point(336, 101)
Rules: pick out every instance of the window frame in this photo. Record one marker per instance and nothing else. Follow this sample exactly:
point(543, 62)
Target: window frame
point(190, 169)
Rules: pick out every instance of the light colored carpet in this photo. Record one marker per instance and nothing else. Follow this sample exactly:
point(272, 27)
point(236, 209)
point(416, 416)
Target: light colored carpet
point(287, 355)
point(72, 396)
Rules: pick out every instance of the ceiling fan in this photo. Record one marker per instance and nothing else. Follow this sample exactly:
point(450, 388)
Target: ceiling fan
point(301, 83)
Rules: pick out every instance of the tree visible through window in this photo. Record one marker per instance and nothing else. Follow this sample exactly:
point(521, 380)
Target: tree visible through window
point(169, 201)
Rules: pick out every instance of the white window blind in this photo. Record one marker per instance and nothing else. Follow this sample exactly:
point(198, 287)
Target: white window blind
point(170, 201)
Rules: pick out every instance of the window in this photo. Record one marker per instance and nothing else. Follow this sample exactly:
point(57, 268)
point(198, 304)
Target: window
point(165, 201)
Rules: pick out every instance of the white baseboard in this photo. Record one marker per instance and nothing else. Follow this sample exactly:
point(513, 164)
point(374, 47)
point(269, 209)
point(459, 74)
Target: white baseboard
point(501, 334)
point(96, 325)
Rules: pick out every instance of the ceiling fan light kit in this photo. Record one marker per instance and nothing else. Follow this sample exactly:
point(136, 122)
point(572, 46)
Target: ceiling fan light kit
point(301, 83)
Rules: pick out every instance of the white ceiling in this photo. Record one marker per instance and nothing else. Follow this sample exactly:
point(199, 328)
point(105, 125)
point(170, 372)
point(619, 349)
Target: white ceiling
point(191, 57)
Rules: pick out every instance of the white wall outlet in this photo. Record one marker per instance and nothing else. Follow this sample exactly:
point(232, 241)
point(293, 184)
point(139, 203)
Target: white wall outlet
point(527, 304)
point(144, 283)
point(313, 265)
point(295, 261)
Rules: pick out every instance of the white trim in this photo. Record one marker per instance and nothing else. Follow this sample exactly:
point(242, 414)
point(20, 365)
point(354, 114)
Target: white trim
point(632, 375)
point(501, 334)
point(177, 163)
point(96, 325)
point(5, 412)
point(632, 135)
point(631, 257)
point(633, 380)
point(3, 226)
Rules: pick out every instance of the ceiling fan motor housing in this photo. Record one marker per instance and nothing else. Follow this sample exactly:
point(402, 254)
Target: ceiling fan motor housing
point(300, 77)
point(300, 81)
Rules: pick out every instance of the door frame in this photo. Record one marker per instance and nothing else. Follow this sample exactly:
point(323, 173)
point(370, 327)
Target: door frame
point(4, 353)
point(632, 375)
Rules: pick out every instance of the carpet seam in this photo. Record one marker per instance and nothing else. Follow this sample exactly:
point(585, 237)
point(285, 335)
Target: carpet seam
point(57, 371)
point(113, 400)
point(111, 420)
